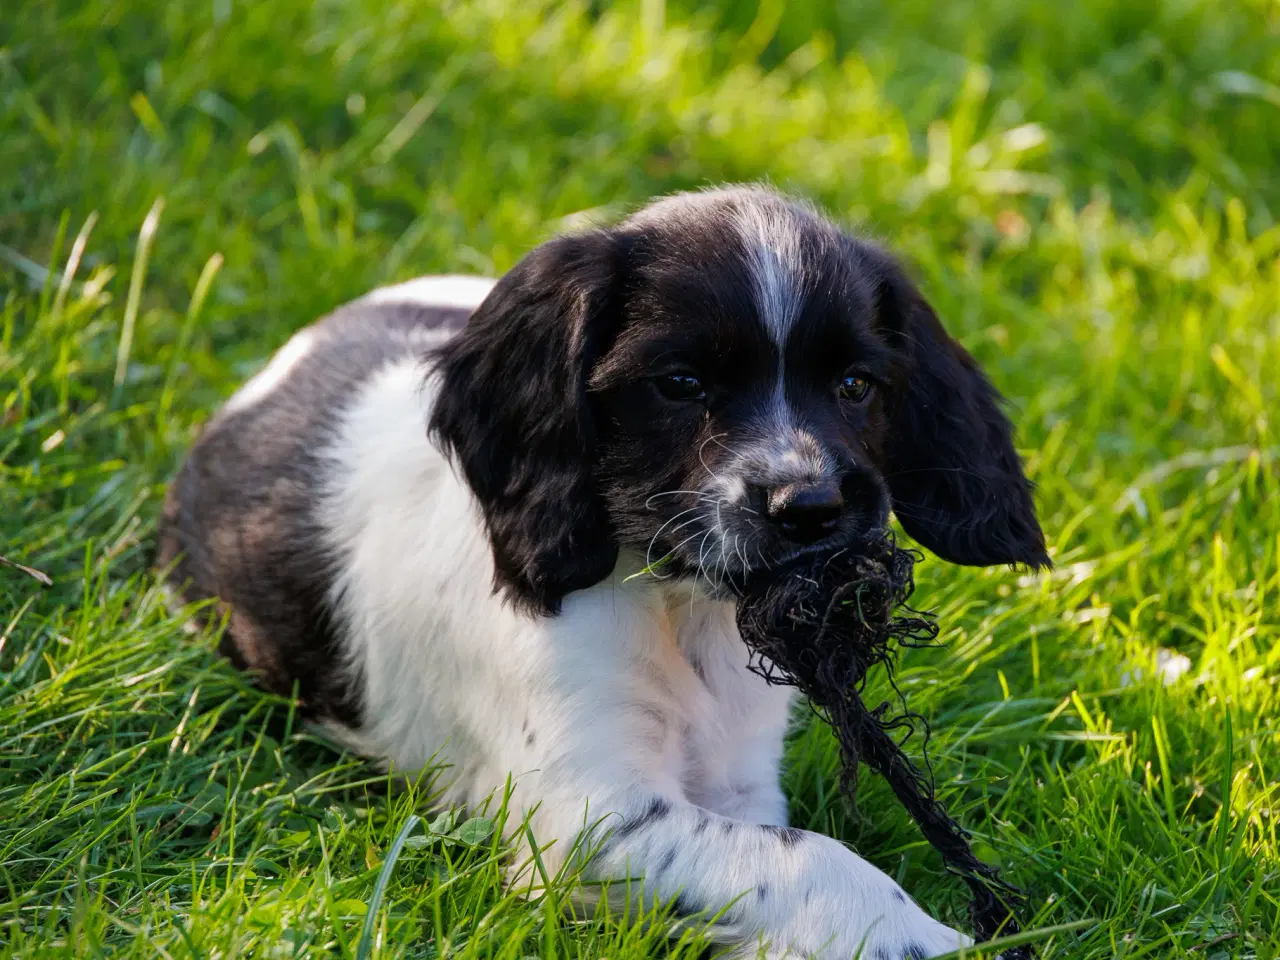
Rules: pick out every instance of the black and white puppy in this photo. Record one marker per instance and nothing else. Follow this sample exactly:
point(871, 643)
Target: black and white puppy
point(500, 527)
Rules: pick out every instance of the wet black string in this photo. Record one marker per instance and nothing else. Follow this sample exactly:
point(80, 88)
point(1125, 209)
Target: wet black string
point(819, 626)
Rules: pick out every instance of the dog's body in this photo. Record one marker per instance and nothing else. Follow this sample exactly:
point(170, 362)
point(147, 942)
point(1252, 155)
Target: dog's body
point(520, 594)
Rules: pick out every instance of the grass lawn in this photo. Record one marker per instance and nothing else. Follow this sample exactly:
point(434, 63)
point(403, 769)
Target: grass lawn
point(1087, 191)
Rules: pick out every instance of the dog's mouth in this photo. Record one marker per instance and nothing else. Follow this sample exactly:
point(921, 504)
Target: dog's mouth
point(857, 542)
point(724, 561)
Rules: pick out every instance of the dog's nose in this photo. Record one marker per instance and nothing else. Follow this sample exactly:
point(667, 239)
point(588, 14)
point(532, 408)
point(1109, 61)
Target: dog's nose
point(806, 512)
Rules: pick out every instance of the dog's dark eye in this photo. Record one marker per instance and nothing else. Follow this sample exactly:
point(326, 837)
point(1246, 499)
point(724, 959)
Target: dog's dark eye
point(854, 388)
point(681, 386)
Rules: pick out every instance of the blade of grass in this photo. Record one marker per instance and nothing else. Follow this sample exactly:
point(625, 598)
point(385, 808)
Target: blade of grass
point(365, 945)
point(142, 254)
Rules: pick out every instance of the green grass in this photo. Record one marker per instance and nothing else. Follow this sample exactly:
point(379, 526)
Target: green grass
point(1087, 191)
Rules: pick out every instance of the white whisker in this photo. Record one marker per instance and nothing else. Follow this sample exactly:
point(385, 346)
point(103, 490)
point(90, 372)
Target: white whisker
point(650, 564)
point(702, 446)
point(700, 494)
point(667, 523)
point(672, 552)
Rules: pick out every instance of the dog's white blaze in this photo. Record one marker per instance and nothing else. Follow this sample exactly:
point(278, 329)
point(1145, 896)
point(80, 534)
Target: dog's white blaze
point(274, 373)
point(772, 240)
point(447, 290)
point(785, 451)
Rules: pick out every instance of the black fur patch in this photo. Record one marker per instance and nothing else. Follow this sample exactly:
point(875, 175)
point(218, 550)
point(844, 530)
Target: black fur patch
point(658, 809)
point(957, 484)
point(512, 412)
point(911, 951)
point(684, 906)
point(668, 858)
point(790, 836)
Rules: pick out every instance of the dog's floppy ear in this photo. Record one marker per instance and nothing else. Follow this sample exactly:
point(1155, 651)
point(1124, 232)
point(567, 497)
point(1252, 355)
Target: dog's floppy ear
point(512, 412)
point(954, 476)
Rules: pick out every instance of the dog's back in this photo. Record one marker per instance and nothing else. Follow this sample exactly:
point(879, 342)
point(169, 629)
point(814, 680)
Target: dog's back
point(239, 525)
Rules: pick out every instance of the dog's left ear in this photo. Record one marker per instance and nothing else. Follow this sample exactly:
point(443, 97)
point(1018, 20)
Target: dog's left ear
point(954, 476)
point(512, 412)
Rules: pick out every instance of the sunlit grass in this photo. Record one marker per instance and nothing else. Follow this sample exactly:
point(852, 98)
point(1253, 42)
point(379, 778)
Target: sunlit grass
point(1088, 197)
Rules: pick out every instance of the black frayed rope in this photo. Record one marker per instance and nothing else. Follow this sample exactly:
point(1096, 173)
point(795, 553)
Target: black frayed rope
point(819, 626)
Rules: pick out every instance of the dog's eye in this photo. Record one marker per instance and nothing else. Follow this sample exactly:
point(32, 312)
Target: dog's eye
point(681, 387)
point(854, 388)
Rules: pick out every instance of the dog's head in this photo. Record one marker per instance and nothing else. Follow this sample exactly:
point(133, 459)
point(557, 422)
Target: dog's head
point(722, 382)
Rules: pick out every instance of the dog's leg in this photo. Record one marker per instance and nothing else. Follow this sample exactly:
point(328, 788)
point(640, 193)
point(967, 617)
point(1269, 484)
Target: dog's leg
point(797, 892)
point(746, 788)
point(602, 748)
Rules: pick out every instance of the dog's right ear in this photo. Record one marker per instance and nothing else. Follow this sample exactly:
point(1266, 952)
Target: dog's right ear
point(511, 411)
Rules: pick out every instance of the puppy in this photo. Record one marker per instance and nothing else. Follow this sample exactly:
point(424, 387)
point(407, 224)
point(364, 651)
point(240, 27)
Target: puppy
point(500, 526)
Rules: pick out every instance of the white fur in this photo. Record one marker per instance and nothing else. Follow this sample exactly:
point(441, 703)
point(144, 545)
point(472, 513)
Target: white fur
point(773, 249)
point(638, 693)
point(787, 452)
point(274, 373)
point(451, 290)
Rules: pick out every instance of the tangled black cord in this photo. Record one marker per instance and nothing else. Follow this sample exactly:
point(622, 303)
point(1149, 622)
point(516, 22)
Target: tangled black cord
point(819, 626)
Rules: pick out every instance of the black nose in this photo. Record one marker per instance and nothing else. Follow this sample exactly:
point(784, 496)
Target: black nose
point(806, 512)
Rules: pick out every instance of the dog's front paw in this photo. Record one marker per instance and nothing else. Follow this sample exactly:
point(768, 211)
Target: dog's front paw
point(928, 939)
point(884, 924)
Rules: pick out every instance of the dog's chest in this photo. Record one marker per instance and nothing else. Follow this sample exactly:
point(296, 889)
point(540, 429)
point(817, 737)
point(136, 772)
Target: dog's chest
point(724, 724)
